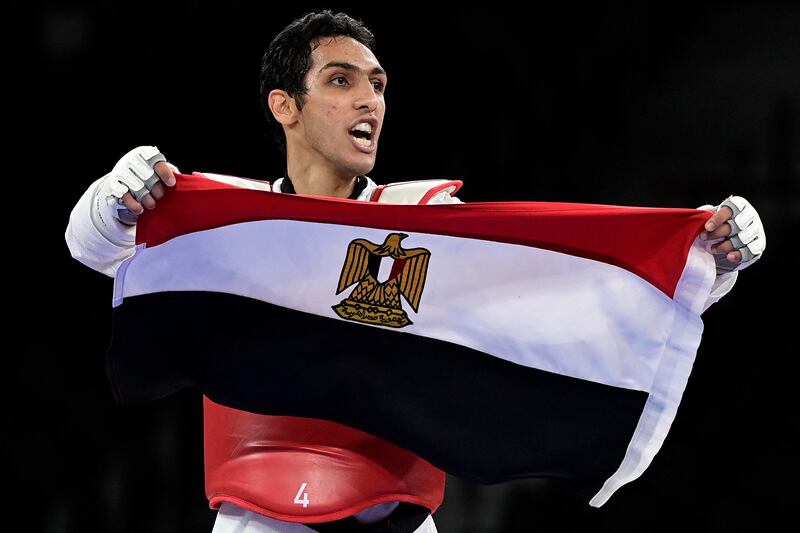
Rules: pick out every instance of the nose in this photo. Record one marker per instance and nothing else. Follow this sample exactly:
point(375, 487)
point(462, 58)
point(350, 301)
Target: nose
point(366, 96)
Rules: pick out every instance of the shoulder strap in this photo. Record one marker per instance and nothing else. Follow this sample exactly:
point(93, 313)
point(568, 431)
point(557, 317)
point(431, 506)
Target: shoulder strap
point(416, 192)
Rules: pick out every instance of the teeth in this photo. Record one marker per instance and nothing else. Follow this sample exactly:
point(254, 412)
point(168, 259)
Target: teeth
point(363, 142)
point(363, 126)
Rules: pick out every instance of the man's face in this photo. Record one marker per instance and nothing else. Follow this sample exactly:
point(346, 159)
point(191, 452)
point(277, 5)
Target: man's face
point(345, 88)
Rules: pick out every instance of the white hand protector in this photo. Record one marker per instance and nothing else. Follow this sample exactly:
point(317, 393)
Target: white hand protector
point(747, 234)
point(133, 173)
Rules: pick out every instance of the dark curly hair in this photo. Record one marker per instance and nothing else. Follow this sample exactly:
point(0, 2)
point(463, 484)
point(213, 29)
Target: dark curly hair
point(288, 58)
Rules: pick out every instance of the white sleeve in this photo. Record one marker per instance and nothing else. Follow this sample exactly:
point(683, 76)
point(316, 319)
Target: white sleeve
point(443, 197)
point(722, 286)
point(95, 237)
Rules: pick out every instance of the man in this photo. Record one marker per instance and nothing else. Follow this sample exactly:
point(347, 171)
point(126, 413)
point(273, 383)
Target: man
point(324, 91)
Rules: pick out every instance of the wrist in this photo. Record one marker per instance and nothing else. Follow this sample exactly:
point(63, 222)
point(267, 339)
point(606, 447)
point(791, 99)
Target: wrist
point(104, 218)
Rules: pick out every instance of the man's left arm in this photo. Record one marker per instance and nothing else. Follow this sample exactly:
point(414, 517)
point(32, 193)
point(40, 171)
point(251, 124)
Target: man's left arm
point(735, 236)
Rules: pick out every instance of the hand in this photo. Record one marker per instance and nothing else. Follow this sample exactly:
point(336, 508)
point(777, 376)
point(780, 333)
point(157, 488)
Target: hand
point(735, 234)
point(137, 182)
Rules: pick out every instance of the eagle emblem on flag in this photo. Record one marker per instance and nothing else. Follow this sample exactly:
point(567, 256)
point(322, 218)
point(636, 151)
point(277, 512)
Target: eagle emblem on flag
point(378, 302)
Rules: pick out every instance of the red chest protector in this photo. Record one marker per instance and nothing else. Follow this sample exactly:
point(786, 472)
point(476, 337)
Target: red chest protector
point(308, 470)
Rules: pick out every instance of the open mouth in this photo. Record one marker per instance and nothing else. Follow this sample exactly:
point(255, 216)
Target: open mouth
point(362, 134)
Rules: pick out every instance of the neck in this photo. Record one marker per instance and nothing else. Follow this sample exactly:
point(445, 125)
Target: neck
point(319, 180)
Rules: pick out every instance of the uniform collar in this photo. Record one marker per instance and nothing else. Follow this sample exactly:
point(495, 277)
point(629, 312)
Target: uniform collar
point(361, 183)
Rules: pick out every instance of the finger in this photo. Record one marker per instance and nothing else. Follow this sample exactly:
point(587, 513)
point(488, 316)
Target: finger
point(157, 192)
point(723, 231)
point(148, 202)
point(722, 248)
point(130, 202)
point(165, 173)
point(718, 218)
point(734, 257)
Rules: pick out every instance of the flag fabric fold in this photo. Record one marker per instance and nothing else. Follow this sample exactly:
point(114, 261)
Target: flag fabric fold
point(497, 340)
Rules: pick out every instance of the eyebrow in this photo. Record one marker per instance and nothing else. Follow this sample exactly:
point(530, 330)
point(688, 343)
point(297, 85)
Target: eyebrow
point(349, 66)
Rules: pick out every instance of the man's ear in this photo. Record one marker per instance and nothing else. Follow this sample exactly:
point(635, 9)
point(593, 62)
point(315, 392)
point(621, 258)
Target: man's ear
point(283, 106)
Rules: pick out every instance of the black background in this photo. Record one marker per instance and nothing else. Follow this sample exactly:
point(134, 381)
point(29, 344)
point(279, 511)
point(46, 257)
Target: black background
point(651, 104)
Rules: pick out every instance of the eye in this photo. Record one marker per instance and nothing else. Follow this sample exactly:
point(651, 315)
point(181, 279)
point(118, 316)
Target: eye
point(338, 78)
point(379, 85)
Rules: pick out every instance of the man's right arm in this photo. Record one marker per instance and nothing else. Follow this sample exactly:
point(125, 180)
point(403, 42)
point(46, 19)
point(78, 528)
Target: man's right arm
point(101, 230)
point(100, 245)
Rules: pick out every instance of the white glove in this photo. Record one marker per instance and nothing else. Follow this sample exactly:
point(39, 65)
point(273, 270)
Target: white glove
point(746, 234)
point(133, 173)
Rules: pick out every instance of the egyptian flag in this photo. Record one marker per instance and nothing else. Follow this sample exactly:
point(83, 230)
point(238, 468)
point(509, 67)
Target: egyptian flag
point(497, 340)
